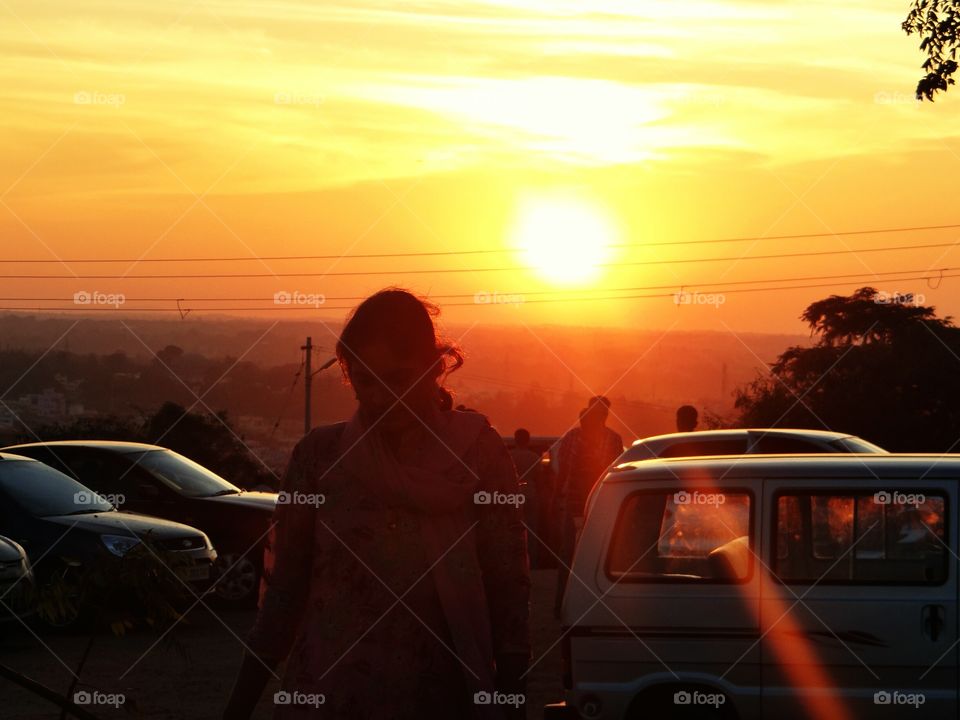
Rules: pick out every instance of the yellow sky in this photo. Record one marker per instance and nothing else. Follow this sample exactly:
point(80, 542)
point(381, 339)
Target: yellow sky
point(202, 128)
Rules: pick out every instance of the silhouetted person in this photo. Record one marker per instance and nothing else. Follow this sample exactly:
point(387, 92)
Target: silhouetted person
point(687, 418)
point(396, 585)
point(585, 452)
point(527, 463)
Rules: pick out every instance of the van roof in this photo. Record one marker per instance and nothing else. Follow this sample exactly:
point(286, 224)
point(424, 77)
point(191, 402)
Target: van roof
point(740, 432)
point(893, 465)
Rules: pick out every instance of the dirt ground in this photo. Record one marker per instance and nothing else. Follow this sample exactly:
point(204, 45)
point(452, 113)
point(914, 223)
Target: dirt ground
point(187, 675)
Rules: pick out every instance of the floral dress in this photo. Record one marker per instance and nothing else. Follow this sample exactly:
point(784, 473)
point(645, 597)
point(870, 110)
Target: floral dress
point(391, 588)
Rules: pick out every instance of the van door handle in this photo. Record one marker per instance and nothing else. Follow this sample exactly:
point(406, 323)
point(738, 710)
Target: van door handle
point(933, 621)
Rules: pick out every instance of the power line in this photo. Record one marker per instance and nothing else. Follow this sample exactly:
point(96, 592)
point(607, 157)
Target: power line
point(97, 309)
point(434, 271)
point(447, 253)
point(925, 274)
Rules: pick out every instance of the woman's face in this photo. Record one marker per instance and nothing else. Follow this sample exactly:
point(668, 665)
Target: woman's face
point(392, 389)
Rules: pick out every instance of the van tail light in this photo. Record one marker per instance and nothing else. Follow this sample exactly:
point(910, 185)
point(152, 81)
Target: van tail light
point(566, 668)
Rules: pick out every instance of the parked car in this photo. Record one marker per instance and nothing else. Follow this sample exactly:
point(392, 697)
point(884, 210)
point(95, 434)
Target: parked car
point(157, 481)
point(752, 441)
point(66, 527)
point(766, 586)
point(16, 579)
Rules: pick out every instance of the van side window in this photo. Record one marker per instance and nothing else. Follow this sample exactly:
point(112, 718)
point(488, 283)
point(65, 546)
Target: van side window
point(699, 448)
point(775, 445)
point(884, 537)
point(692, 535)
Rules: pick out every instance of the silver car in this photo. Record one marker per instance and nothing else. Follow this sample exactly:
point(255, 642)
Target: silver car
point(748, 441)
point(16, 579)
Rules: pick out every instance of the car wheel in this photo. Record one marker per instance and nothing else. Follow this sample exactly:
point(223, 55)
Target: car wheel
point(241, 584)
point(59, 598)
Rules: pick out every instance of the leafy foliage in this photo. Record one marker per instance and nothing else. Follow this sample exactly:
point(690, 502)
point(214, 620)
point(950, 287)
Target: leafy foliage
point(143, 586)
point(884, 369)
point(207, 440)
point(937, 23)
point(204, 438)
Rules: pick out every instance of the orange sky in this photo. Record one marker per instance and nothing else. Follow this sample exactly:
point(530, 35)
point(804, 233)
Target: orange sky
point(542, 129)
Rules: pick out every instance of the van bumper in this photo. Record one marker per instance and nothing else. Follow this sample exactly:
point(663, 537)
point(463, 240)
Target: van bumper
point(560, 711)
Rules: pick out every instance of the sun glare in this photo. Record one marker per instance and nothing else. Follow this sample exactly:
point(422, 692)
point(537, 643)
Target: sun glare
point(565, 239)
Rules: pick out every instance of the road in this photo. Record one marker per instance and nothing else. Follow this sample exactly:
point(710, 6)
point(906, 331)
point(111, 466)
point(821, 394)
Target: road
point(189, 672)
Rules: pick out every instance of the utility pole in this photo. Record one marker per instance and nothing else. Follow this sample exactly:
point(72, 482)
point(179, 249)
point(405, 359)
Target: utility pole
point(307, 382)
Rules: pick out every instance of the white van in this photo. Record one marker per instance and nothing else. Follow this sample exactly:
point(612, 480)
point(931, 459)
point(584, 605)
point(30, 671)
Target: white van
point(816, 586)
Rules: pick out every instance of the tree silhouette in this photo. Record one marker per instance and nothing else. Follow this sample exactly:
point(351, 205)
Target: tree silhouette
point(883, 367)
point(207, 439)
point(937, 23)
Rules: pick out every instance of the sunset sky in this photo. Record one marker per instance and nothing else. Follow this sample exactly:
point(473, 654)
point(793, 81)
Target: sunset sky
point(569, 141)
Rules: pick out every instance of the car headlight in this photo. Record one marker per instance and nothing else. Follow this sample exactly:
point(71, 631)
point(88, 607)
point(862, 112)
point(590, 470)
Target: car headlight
point(119, 545)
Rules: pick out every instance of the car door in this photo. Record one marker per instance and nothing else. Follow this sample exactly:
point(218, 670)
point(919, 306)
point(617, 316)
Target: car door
point(859, 609)
point(679, 584)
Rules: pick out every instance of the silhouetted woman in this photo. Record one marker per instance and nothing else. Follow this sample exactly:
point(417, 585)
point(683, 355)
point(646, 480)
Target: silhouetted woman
point(393, 586)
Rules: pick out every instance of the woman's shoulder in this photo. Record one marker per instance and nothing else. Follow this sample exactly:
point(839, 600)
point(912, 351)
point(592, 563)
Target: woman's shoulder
point(470, 427)
point(321, 441)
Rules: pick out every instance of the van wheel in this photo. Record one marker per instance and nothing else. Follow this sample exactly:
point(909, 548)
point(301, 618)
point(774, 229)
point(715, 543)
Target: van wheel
point(660, 704)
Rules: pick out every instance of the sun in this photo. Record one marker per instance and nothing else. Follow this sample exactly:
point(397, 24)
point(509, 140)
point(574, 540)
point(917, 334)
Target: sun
point(564, 238)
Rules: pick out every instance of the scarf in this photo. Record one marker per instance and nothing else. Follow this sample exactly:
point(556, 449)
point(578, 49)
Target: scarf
point(439, 488)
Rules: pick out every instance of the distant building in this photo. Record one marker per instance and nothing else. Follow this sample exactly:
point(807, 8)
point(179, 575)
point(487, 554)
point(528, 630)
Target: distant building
point(8, 419)
point(48, 404)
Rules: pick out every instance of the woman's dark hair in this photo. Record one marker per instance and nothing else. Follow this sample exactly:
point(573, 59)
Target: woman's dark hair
point(404, 321)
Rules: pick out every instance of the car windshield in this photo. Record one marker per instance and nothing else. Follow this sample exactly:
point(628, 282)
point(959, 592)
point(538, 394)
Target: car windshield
point(183, 475)
point(45, 492)
point(856, 445)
